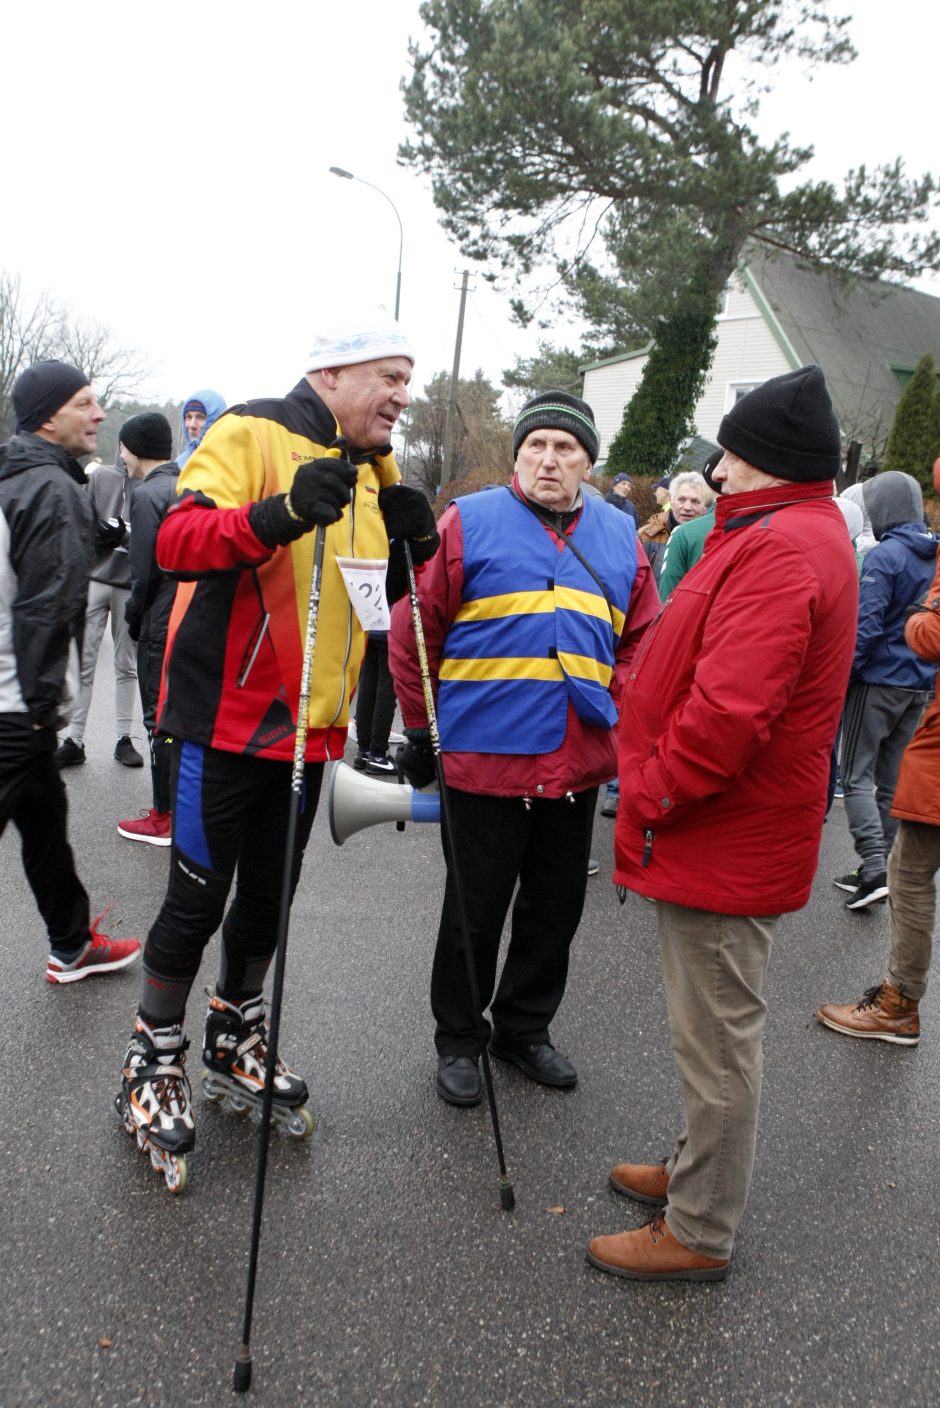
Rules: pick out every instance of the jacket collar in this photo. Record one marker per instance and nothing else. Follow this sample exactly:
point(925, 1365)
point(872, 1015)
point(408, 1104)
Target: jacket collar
point(738, 510)
point(28, 451)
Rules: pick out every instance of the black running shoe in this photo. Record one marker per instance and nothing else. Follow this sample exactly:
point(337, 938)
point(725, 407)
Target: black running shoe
point(871, 891)
point(381, 765)
point(69, 754)
point(126, 753)
point(849, 882)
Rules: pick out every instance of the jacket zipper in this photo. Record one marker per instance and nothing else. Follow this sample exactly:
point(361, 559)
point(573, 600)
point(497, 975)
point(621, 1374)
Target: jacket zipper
point(253, 649)
point(255, 641)
point(348, 648)
point(648, 847)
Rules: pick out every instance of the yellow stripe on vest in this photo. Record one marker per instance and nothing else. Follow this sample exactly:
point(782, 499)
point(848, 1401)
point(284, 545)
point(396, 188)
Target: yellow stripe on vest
point(583, 667)
point(488, 608)
point(496, 667)
point(591, 604)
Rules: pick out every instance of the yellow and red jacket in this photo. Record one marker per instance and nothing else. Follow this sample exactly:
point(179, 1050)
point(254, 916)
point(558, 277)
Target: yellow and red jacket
point(234, 651)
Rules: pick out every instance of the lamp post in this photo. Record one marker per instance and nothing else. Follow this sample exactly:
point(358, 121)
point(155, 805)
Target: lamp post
point(348, 176)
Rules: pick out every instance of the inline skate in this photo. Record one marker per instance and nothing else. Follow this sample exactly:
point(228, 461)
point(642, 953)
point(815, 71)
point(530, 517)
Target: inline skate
point(235, 1052)
point(155, 1100)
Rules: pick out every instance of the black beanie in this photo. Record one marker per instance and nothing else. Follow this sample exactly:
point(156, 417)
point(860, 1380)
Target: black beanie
point(42, 390)
point(786, 427)
point(148, 435)
point(556, 410)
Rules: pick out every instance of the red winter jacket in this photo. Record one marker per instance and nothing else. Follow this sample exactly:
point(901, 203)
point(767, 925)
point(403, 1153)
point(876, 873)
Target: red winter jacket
point(730, 710)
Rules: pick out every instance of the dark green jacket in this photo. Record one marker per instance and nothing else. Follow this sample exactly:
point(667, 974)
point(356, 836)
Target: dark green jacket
point(683, 550)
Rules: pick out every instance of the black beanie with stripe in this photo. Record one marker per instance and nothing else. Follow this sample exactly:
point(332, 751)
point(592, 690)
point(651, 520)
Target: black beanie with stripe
point(556, 410)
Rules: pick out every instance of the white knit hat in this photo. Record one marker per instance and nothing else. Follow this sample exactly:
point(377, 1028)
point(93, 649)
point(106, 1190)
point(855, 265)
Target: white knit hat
point(359, 338)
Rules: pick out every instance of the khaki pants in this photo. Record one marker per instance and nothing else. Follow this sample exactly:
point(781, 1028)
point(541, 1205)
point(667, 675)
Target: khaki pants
point(714, 966)
point(912, 904)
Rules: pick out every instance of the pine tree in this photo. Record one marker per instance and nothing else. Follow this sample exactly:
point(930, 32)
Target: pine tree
point(914, 441)
point(608, 148)
point(658, 418)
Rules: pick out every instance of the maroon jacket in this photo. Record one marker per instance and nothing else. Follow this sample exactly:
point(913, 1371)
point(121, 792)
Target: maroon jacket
point(731, 708)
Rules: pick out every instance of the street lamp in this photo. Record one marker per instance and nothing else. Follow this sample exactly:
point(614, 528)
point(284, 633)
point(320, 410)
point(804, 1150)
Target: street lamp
point(348, 176)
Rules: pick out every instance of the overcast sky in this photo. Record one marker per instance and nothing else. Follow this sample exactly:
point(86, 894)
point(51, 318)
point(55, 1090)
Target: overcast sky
point(167, 174)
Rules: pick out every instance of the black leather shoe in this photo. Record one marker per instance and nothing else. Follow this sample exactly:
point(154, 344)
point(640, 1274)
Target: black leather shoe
point(458, 1080)
point(540, 1062)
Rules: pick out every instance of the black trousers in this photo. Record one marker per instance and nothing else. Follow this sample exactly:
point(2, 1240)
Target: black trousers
point(32, 796)
point(229, 820)
point(375, 698)
point(150, 649)
point(498, 842)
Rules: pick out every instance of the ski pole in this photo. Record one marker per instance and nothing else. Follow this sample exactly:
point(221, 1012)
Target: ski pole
point(241, 1378)
point(507, 1197)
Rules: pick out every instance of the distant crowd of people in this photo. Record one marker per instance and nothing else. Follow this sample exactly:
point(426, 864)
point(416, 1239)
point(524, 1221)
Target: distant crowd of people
point(698, 667)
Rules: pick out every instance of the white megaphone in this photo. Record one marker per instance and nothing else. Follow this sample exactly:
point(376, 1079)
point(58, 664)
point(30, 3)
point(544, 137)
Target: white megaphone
point(357, 801)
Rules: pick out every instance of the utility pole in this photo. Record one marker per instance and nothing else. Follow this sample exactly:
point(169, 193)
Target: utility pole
point(450, 425)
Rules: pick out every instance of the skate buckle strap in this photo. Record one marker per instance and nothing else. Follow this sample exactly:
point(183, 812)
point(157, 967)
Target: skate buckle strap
point(250, 1042)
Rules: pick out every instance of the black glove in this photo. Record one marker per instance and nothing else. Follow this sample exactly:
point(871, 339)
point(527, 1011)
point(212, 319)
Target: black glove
point(109, 535)
point(396, 573)
point(415, 761)
point(408, 514)
point(320, 491)
point(132, 617)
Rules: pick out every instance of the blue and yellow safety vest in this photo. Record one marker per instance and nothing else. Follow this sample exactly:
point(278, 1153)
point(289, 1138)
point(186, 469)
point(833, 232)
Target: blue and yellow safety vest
point(535, 629)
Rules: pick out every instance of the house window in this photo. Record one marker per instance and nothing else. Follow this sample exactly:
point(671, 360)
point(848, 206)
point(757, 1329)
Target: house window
point(722, 308)
point(737, 389)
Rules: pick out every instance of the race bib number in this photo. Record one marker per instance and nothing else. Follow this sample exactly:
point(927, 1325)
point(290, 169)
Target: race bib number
point(365, 583)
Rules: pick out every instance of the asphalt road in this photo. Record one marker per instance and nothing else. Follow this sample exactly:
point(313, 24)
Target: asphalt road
point(389, 1274)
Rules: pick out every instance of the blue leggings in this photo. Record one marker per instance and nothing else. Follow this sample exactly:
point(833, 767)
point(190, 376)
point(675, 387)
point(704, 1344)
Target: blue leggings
point(229, 822)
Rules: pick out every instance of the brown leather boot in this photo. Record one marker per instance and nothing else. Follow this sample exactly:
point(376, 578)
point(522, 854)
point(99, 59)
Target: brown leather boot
point(652, 1253)
point(883, 1015)
point(646, 1183)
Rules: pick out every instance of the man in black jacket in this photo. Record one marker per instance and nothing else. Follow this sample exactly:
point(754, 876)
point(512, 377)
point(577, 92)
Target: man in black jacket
point(45, 554)
point(146, 443)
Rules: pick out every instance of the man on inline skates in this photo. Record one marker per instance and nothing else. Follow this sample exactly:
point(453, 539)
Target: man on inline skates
point(240, 539)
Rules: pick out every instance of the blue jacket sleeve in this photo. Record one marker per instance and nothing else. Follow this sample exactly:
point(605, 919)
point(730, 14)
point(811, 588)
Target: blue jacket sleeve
point(874, 598)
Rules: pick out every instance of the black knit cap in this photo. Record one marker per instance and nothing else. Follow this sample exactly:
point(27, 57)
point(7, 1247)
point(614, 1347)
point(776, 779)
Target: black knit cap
point(42, 390)
point(556, 410)
point(148, 435)
point(786, 427)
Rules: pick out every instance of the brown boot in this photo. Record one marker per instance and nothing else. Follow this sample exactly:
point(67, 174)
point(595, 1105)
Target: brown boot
point(652, 1253)
point(646, 1183)
point(883, 1014)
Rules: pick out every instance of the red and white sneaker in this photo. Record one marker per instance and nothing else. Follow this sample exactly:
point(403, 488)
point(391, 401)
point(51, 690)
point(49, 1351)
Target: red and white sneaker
point(100, 955)
point(151, 826)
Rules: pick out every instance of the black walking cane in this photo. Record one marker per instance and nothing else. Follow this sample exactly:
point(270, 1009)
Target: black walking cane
point(241, 1378)
point(507, 1197)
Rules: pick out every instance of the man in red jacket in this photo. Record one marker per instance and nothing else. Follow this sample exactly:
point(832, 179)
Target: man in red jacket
point(728, 720)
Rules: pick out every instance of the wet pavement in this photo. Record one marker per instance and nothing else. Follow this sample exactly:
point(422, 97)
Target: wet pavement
point(389, 1275)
